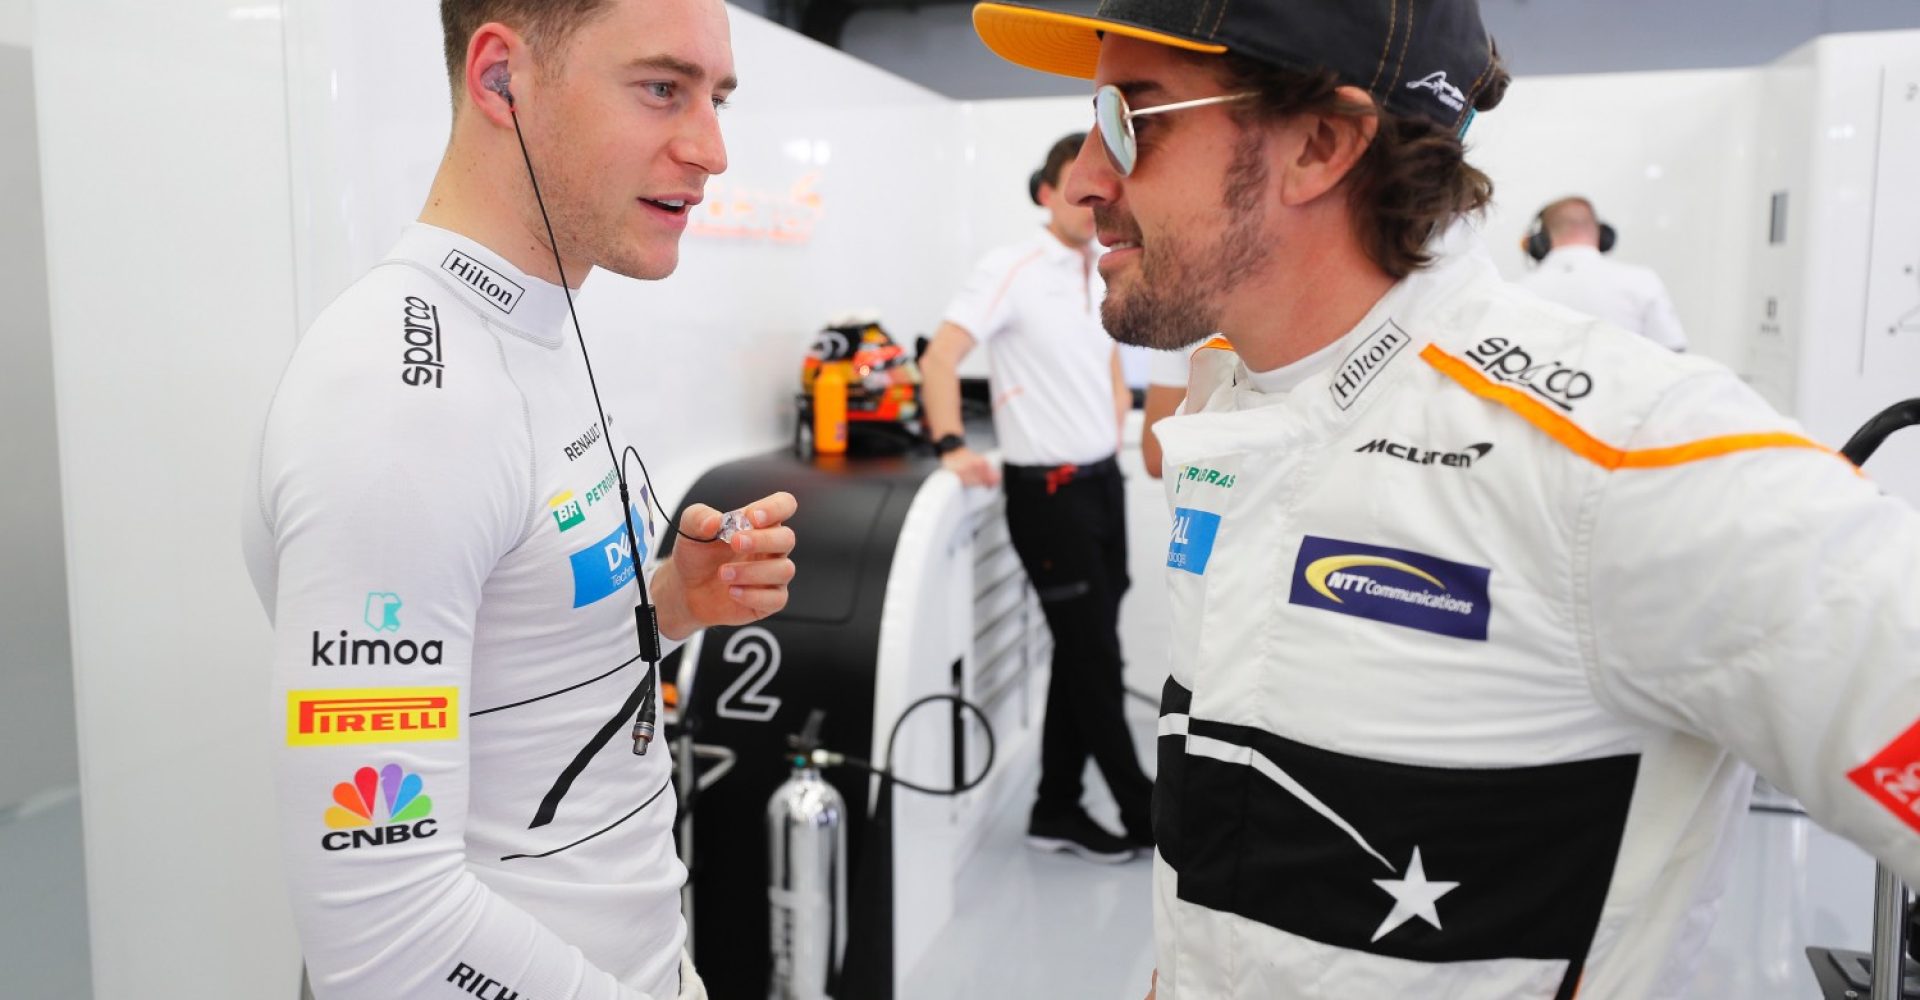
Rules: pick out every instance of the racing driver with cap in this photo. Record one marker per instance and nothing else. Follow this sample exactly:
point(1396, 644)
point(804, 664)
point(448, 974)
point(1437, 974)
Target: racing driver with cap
point(1482, 610)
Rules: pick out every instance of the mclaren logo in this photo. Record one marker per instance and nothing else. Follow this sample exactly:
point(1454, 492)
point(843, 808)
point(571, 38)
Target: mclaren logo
point(1462, 459)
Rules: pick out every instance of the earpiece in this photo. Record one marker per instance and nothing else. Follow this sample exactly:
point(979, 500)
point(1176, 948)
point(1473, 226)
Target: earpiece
point(1033, 185)
point(497, 79)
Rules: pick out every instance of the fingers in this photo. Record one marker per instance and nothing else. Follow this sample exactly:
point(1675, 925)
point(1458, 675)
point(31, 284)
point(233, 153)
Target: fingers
point(759, 573)
point(765, 542)
point(762, 601)
point(700, 520)
point(771, 510)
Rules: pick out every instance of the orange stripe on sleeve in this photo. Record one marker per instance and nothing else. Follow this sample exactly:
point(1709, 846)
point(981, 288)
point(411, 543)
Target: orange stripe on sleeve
point(1594, 450)
point(1007, 282)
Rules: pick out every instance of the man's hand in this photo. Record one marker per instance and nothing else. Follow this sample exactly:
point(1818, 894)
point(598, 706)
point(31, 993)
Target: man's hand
point(972, 467)
point(727, 583)
point(1154, 989)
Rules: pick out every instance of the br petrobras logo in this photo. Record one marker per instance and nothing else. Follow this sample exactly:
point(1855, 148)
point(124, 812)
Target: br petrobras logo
point(1192, 544)
point(1393, 586)
point(357, 802)
point(605, 566)
point(565, 510)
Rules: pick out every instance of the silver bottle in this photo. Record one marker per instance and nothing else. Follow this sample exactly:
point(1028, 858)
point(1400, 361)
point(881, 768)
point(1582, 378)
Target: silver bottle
point(807, 884)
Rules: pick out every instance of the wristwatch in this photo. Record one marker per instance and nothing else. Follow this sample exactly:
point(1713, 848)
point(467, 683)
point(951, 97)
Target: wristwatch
point(948, 443)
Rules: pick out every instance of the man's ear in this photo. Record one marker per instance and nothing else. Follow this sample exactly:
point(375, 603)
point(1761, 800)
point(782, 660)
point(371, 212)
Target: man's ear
point(1322, 148)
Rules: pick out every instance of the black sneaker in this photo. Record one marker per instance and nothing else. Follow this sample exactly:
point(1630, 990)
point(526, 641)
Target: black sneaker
point(1077, 834)
point(1139, 830)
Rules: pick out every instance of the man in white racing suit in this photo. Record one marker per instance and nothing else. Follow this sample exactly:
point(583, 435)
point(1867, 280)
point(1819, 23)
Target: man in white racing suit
point(438, 534)
point(1482, 610)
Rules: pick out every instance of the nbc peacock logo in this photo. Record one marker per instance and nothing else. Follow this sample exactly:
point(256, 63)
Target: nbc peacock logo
point(356, 802)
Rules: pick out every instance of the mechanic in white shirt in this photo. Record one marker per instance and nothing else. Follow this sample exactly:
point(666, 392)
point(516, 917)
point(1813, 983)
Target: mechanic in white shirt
point(1570, 241)
point(1059, 397)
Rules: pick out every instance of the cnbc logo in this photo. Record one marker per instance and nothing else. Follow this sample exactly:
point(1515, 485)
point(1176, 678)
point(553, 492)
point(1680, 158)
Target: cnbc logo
point(565, 510)
point(357, 802)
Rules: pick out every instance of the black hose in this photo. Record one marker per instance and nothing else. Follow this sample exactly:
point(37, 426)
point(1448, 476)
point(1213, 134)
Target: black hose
point(1869, 437)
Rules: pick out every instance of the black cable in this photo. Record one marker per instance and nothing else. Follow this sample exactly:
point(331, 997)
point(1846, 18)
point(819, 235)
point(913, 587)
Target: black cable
point(886, 773)
point(646, 621)
point(654, 495)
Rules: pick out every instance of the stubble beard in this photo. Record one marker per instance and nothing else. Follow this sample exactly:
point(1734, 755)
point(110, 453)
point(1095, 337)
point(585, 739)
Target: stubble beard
point(1174, 297)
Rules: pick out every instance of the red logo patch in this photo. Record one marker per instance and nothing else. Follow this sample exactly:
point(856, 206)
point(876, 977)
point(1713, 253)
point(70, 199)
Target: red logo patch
point(1893, 777)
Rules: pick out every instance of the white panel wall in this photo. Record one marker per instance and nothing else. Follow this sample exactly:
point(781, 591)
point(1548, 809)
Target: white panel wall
point(1859, 345)
point(710, 357)
point(36, 677)
point(163, 155)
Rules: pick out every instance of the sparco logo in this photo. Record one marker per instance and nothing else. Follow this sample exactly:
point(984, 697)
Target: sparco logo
point(1462, 459)
point(492, 284)
point(1550, 380)
point(580, 444)
point(1364, 362)
point(420, 363)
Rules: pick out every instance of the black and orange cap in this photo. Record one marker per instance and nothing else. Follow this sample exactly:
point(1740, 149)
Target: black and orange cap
point(1427, 58)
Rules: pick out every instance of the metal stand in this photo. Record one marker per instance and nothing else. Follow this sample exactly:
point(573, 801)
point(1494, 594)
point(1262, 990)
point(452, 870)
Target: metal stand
point(1851, 975)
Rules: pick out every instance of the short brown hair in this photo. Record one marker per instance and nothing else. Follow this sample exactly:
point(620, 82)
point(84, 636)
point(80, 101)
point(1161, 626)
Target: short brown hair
point(546, 24)
point(1413, 180)
point(1062, 153)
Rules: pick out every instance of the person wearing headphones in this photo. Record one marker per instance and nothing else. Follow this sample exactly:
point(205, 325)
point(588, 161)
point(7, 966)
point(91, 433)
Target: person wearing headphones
point(1569, 241)
point(441, 529)
point(1483, 613)
point(1059, 400)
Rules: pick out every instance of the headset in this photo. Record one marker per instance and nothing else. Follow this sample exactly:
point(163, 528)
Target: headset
point(1033, 184)
point(646, 619)
point(1538, 244)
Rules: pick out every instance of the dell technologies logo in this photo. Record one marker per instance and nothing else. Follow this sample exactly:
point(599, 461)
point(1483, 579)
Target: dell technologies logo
point(1462, 459)
point(491, 284)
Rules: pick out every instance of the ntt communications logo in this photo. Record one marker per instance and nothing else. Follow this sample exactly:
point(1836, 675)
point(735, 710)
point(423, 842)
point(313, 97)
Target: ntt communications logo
point(1393, 586)
point(357, 802)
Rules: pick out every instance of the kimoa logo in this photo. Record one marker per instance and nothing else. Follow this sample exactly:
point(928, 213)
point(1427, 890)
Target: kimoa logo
point(355, 802)
point(1462, 459)
point(382, 615)
point(1330, 574)
point(1436, 82)
point(495, 287)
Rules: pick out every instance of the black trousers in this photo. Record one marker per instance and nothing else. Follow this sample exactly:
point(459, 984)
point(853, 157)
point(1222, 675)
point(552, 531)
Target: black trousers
point(1069, 525)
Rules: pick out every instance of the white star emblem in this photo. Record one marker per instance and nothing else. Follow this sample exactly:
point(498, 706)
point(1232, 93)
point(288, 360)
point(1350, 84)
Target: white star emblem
point(1413, 896)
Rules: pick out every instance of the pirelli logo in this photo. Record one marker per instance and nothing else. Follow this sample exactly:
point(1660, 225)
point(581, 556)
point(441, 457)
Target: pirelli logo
point(347, 716)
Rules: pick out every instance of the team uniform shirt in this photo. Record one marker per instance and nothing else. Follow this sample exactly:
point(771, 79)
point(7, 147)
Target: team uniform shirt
point(1477, 629)
point(1038, 304)
point(438, 538)
point(1627, 295)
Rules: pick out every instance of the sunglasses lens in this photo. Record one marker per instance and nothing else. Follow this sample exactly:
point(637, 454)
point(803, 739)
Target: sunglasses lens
point(1116, 132)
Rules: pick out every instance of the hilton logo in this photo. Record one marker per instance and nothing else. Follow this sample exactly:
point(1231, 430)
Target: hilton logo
point(491, 284)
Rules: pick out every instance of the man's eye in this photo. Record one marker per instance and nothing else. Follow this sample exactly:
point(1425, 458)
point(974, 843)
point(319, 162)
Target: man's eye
point(721, 104)
point(661, 90)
